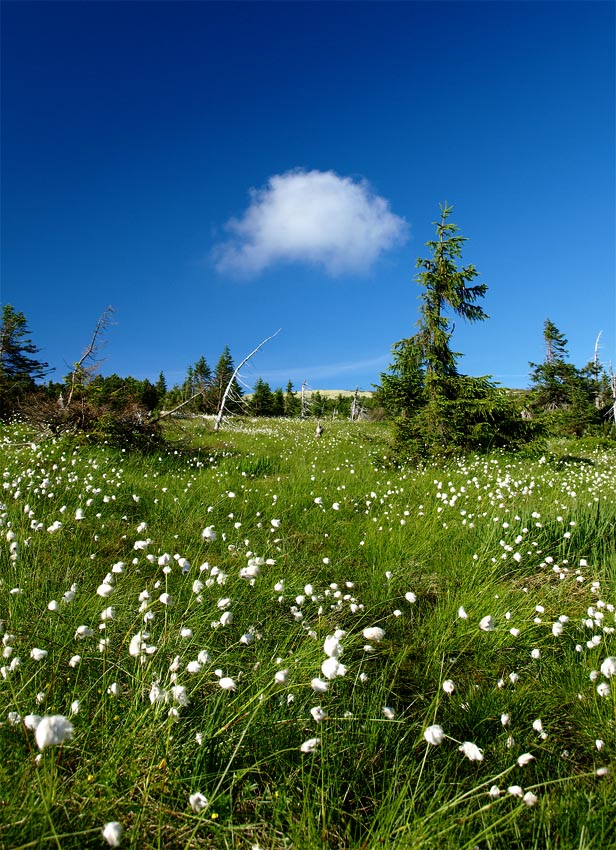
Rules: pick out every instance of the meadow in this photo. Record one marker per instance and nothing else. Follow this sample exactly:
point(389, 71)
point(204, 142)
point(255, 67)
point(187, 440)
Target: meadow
point(259, 639)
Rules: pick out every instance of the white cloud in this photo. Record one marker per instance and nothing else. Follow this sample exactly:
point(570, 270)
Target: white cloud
point(313, 217)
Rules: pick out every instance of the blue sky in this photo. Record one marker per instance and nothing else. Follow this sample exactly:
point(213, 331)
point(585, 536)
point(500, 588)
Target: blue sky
point(219, 170)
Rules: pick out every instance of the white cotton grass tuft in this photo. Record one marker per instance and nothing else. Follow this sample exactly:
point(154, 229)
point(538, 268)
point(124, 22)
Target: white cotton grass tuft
point(449, 686)
point(471, 751)
point(227, 683)
point(310, 745)
point(374, 633)
point(486, 624)
point(52, 730)
point(318, 714)
point(434, 734)
point(198, 801)
point(112, 833)
point(38, 654)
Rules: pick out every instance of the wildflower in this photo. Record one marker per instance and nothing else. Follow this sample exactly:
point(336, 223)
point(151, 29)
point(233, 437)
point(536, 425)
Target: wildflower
point(198, 801)
point(410, 597)
point(374, 633)
point(79, 514)
point(31, 721)
point(113, 690)
point(603, 689)
point(276, 523)
point(281, 677)
point(486, 624)
point(319, 685)
point(494, 791)
point(515, 791)
point(112, 832)
point(105, 590)
point(53, 605)
point(208, 533)
point(52, 730)
point(318, 713)
point(194, 667)
point(524, 759)
point(38, 654)
point(608, 668)
point(536, 654)
point(74, 661)
point(529, 798)
point(462, 613)
point(331, 668)
point(389, 712)
point(448, 686)
point(227, 683)
point(505, 719)
point(332, 646)
point(434, 734)
point(310, 745)
point(157, 694)
point(179, 695)
point(471, 751)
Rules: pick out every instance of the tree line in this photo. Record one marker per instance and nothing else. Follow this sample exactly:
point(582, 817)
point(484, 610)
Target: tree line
point(434, 407)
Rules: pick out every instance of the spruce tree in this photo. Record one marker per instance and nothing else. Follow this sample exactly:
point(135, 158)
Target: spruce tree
point(439, 410)
point(261, 403)
point(445, 287)
point(222, 375)
point(19, 370)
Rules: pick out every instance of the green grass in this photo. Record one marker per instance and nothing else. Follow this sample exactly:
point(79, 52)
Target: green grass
point(524, 540)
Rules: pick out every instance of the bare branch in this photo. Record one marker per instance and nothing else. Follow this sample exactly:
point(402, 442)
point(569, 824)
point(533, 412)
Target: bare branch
point(81, 372)
point(230, 384)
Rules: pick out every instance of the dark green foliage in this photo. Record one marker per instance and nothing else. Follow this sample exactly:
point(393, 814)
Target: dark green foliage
point(222, 375)
point(468, 414)
point(568, 401)
point(402, 386)
point(262, 401)
point(444, 287)
point(292, 403)
point(19, 371)
point(278, 402)
point(438, 410)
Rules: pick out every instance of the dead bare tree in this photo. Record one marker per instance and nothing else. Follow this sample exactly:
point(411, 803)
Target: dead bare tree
point(304, 407)
point(88, 364)
point(221, 411)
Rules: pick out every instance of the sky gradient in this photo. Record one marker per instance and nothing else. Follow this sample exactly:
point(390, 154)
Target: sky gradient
point(219, 170)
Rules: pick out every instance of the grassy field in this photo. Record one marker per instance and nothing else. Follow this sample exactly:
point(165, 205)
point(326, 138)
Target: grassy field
point(265, 640)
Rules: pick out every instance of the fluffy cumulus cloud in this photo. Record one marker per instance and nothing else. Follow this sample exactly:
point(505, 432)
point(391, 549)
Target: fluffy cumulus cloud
point(312, 217)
